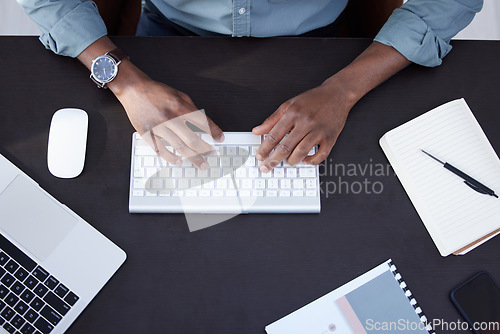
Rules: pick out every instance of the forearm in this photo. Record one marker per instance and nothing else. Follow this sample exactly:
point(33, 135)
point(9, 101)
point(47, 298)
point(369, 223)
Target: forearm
point(372, 67)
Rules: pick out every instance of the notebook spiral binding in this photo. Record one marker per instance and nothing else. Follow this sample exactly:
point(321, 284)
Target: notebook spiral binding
point(410, 297)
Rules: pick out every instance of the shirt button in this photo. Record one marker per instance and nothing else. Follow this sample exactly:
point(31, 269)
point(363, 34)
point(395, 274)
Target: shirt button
point(242, 11)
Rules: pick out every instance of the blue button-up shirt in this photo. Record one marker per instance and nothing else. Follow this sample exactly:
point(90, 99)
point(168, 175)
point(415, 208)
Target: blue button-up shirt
point(420, 30)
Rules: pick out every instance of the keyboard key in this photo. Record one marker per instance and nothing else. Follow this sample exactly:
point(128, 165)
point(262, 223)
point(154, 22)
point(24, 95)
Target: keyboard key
point(17, 288)
point(21, 274)
point(51, 282)
point(48, 313)
point(272, 184)
point(271, 193)
point(2, 321)
point(61, 291)
point(215, 172)
point(245, 193)
point(237, 162)
point(7, 279)
point(138, 193)
point(279, 172)
point(260, 184)
point(11, 266)
point(285, 184)
point(2, 271)
point(291, 172)
point(307, 172)
point(253, 172)
point(31, 282)
point(240, 172)
point(7, 313)
point(56, 303)
point(251, 162)
point(15, 253)
point(37, 304)
point(204, 193)
point(11, 299)
point(297, 193)
point(21, 307)
point(231, 150)
point(298, 184)
point(40, 290)
point(43, 326)
point(310, 193)
point(246, 184)
point(258, 193)
point(9, 328)
point(284, 193)
point(17, 322)
point(311, 184)
point(243, 150)
point(4, 291)
point(71, 298)
point(40, 273)
point(2, 305)
point(27, 296)
point(27, 329)
point(190, 172)
point(225, 161)
point(231, 193)
point(3, 258)
point(31, 315)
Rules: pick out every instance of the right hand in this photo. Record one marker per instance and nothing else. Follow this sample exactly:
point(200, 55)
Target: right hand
point(158, 111)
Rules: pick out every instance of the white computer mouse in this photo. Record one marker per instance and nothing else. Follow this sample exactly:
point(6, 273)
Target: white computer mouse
point(67, 142)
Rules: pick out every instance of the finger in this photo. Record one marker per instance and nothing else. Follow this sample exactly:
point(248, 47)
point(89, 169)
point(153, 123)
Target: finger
point(160, 149)
point(303, 148)
point(325, 147)
point(204, 122)
point(271, 121)
point(191, 139)
point(274, 137)
point(283, 150)
point(180, 147)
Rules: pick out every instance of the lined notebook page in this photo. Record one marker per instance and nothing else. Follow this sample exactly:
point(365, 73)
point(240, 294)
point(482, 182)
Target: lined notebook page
point(454, 214)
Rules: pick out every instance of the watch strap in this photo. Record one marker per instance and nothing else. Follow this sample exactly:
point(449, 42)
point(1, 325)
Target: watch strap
point(118, 55)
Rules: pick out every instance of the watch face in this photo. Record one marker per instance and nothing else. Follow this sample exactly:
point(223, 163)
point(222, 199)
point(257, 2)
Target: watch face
point(104, 69)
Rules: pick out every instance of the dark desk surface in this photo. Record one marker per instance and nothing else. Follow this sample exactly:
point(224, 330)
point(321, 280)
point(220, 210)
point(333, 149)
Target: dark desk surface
point(243, 274)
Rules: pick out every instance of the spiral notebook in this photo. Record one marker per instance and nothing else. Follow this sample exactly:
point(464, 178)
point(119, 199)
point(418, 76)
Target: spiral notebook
point(378, 301)
point(457, 217)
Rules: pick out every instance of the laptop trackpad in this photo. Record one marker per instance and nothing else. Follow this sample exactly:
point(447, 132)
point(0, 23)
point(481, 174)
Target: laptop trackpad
point(32, 218)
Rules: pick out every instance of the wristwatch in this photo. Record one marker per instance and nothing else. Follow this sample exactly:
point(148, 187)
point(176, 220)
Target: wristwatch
point(105, 68)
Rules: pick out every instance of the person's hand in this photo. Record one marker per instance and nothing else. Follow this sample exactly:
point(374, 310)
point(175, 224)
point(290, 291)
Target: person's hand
point(314, 117)
point(158, 111)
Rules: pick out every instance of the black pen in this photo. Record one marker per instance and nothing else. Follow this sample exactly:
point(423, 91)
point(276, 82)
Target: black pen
point(474, 184)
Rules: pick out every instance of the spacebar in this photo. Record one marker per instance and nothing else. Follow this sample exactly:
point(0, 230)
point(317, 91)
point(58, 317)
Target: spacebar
point(236, 138)
point(15, 253)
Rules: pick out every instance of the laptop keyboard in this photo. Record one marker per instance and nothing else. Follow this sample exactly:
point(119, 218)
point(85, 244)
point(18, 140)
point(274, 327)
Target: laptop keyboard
point(31, 300)
point(154, 177)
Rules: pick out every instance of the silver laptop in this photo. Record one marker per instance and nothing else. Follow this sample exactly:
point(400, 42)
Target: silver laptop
point(52, 262)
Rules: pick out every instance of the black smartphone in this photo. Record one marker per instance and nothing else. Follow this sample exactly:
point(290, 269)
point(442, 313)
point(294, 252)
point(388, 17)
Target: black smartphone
point(478, 300)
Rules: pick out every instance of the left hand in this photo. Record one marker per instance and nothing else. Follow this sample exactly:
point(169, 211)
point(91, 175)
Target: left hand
point(316, 116)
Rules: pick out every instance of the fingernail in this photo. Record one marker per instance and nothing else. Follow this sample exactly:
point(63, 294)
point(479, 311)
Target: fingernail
point(259, 157)
point(204, 166)
point(263, 169)
point(222, 137)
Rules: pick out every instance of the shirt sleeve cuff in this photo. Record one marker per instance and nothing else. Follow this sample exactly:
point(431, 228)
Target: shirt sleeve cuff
point(75, 31)
point(413, 38)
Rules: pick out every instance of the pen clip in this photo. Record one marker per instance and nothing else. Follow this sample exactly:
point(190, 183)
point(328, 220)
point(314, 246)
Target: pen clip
point(479, 190)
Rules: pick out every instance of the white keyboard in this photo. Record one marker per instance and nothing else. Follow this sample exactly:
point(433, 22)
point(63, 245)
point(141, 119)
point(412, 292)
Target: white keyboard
point(233, 182)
